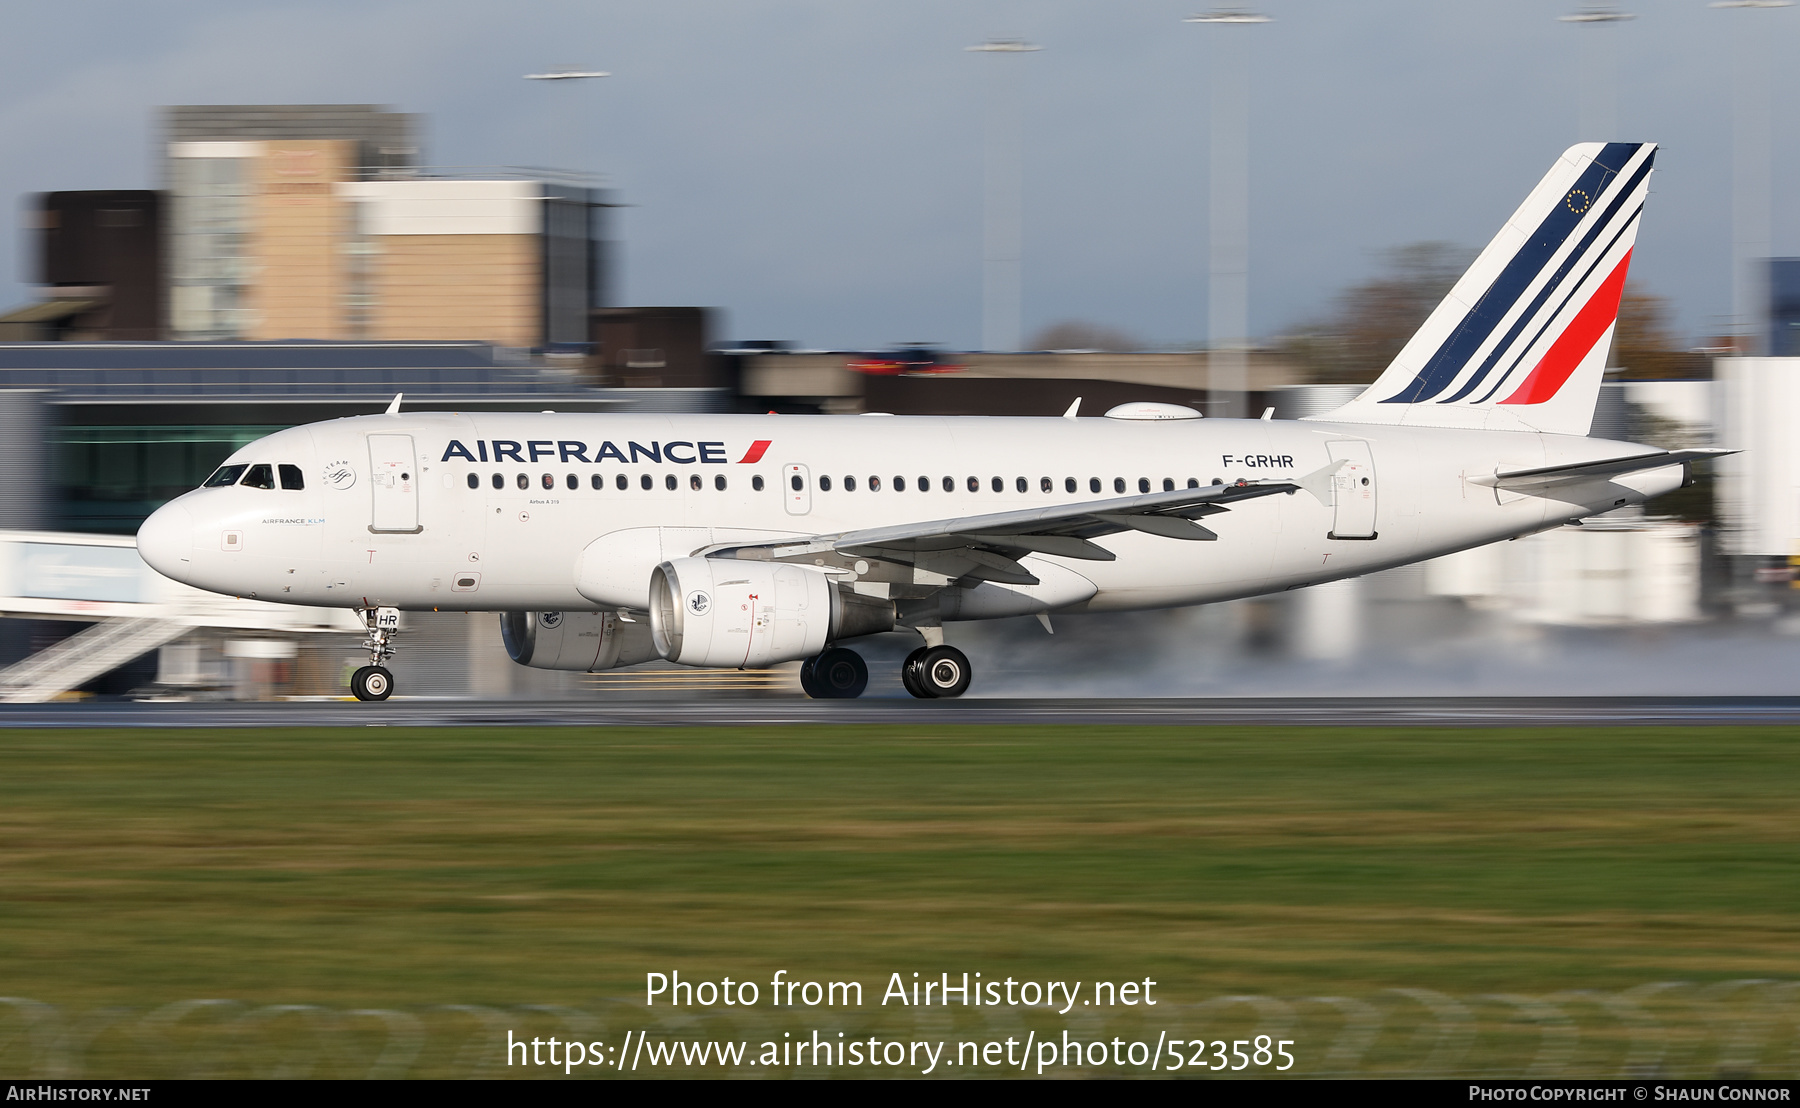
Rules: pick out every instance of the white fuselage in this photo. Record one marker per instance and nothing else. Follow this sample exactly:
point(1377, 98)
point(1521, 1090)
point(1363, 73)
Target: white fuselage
point(347, 539)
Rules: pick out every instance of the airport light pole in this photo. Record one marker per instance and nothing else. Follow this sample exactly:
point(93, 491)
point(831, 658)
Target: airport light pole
point(1750, 178)
point(1228, 292)
point(573, 75)
point(1599, 70)
point(1002, 233)
point(598, 278)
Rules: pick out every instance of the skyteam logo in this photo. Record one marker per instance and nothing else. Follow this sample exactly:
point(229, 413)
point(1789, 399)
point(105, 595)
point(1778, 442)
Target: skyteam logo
point(679, 452)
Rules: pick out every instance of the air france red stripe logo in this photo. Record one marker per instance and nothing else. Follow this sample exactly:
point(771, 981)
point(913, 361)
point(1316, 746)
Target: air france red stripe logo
point(1576, 342)
point(756, 451)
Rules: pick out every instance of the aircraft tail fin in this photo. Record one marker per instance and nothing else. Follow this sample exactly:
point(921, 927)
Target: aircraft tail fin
point(1521, 341)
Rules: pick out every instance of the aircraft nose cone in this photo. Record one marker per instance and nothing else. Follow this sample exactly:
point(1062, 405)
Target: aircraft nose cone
point(166, 540)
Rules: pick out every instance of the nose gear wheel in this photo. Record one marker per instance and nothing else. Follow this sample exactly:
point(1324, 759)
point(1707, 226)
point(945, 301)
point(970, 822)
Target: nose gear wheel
point(372, 683)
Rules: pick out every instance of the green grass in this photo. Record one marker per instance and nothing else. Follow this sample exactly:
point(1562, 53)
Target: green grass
point(405, 868)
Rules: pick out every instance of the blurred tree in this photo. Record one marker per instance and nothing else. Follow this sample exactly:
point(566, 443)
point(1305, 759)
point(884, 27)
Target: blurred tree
point(1073, 334)
point(1374, 318)
point(1644, 347)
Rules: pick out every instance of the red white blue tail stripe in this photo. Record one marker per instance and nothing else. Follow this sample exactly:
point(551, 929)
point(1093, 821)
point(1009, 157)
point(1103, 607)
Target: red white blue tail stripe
point(1521, 339)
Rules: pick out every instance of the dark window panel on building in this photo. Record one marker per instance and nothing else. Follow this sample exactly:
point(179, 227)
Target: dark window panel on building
point(657, 348)
point(1784, 307)
point(99, 257)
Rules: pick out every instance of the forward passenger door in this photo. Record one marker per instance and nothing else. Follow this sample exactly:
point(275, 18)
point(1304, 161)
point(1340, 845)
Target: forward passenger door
point(394, 481)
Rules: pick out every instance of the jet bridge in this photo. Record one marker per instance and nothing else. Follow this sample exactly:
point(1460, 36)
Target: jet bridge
point(99, 579)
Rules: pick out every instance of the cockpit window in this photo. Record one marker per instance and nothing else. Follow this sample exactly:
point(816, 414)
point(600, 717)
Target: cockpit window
point(259, 477)
point(291, 478)
point(225, 475)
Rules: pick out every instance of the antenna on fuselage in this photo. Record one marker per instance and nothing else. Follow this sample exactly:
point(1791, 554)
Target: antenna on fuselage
point(1073, 408)
point(394, 407)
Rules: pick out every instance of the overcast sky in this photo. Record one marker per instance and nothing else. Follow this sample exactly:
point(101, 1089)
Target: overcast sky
point(814, 167)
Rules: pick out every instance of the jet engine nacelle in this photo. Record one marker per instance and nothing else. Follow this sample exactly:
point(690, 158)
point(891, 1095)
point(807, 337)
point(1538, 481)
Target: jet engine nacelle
point(745, 614)
point(585, 642)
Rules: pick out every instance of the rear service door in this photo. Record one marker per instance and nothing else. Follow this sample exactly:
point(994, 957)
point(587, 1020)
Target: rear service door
point(1353, 489)
point(394, 478)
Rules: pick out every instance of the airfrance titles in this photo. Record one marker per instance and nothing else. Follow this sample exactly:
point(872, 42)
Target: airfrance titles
point(679, 452)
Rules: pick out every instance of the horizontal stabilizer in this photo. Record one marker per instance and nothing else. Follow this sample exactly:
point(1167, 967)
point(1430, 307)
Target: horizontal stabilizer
point(1588, 471)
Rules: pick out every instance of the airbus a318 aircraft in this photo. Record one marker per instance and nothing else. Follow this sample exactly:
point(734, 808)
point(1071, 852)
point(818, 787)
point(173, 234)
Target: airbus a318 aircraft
point(742, 541)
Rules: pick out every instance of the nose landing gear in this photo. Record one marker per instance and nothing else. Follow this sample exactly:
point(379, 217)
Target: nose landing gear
point(373, 681)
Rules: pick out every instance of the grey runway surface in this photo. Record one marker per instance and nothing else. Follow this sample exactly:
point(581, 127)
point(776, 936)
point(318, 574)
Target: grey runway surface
point(1338, 711)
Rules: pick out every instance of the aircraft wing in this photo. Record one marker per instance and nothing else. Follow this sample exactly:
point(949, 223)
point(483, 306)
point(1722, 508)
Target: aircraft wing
point(1588, 471)
point(988, 546)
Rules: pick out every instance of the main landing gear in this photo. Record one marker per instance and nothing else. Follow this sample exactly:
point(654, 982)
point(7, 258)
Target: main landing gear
point(374, 682)
point(929, 673)
point(837, 674)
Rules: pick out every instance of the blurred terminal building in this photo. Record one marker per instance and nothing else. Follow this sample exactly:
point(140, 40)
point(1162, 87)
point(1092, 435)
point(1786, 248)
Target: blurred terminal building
point(302, 262)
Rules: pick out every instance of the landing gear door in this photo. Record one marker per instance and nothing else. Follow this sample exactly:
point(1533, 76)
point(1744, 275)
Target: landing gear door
point(394, 479)
point(796, 488)
point(1353, 489)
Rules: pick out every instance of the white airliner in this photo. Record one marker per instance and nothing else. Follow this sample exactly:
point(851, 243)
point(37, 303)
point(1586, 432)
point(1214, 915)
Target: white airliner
point(740, 541)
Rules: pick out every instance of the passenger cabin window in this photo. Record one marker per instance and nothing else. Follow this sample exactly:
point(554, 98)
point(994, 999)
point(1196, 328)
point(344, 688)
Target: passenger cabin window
point(1068, 484)
point(899, 484)
point(719, 482)
point(225, 475)
point(824, 483)
point(259, 477)
point(874, 484)
point(474, 481)
point(756, 482)
point(291, 478)
point(499, 481)
point(621, 482)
